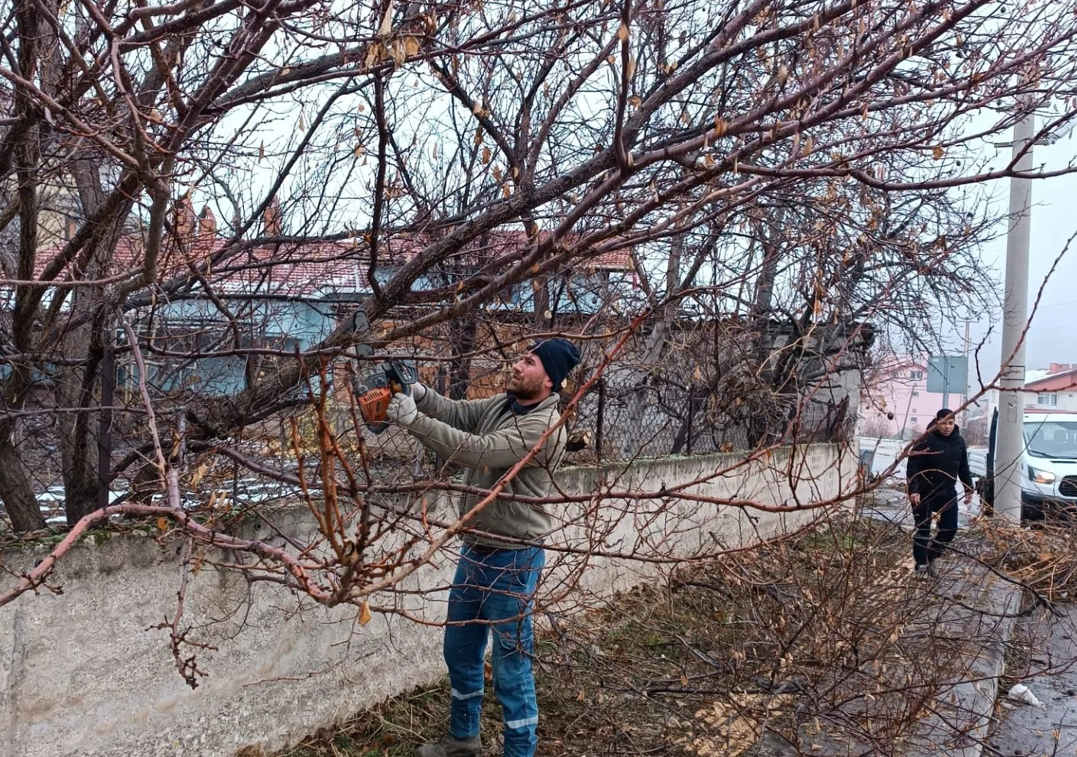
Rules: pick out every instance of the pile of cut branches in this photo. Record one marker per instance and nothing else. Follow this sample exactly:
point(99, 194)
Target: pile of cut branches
point(1043, 559)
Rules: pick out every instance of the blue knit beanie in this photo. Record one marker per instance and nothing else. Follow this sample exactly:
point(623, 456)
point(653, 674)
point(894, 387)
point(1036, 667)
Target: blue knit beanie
point(559, 356)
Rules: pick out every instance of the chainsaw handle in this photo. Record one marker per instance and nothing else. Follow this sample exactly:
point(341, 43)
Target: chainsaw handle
point(401, 375)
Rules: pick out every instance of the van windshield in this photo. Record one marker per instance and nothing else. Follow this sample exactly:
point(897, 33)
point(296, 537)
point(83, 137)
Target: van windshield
point(1052, 439)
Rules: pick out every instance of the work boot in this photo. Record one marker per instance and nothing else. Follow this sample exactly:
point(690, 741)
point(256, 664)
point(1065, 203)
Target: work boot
point(450, 746)
point(923, 571)
point(933, 568)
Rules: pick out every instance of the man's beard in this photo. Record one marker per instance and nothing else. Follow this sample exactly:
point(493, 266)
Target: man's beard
point(523, 390)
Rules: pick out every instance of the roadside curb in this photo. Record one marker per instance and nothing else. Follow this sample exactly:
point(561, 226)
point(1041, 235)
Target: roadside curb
point(961, 716)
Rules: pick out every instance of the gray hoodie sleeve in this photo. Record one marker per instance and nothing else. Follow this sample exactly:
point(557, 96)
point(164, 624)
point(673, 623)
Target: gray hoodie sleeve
point(499, 449)
point(462, 415)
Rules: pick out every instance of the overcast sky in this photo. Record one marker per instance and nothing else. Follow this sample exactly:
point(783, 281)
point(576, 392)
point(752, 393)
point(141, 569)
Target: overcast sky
point(1053, 335)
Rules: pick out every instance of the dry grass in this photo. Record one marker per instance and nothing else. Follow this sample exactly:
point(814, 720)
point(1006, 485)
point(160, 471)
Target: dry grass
point(779, 651)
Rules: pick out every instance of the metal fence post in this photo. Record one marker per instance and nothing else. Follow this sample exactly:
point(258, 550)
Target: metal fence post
point(104, 436)
point(601, 416)
point(691, 418)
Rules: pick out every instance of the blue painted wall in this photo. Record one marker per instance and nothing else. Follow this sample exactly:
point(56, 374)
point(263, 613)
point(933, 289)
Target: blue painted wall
point(283, 325)
point(288, 325)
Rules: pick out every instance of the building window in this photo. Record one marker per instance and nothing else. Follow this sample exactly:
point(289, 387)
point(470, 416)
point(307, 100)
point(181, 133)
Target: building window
point(913, 419)
point(916, 374)
point(1047, 399)
point(895, 374)
point(916, 394)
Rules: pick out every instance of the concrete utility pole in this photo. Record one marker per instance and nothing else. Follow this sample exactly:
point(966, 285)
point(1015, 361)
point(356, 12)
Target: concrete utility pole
point(1010, 439)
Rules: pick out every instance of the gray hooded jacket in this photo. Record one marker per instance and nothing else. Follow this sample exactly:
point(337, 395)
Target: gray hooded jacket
point(488, 438)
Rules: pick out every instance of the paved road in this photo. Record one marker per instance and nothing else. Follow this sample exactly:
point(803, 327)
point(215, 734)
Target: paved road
point(1026, 731)
point(893, 505)
point(1050, 645)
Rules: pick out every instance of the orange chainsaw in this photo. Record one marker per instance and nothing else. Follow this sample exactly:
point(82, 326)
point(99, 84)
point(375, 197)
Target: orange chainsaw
point(374, 391)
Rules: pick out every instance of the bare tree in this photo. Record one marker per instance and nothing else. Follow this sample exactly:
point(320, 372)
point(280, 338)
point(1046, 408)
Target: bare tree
point(763, 161)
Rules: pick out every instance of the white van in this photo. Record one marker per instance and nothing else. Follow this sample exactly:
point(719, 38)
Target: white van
point(1048, 466)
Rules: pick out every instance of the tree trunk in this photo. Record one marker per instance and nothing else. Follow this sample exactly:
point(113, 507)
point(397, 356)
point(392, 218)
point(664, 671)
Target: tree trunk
point(540, 287)
point(759, 424)
point(16, 490)
point(654, 349)
point(462, 342)
point(77, 387)
point(763, 299)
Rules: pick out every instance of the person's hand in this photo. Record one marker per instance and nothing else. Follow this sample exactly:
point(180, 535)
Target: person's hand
point(418, 391)
point(402, 410)
point(914, 498)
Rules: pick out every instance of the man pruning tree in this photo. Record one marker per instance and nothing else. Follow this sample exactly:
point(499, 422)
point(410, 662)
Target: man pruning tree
point(499, 566)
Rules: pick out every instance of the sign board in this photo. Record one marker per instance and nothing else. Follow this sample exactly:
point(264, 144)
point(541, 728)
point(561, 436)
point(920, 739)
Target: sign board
point(947, 374)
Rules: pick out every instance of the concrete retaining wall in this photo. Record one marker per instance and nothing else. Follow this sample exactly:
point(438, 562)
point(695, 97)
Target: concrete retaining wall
point(83, 672)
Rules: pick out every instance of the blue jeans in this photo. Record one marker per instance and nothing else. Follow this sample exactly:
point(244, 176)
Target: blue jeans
point(494, 591)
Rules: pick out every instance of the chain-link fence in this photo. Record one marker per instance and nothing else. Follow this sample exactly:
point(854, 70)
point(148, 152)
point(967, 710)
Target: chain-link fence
point(617, 423)
point(702, 396)
point(622, 422)
point(680, 406)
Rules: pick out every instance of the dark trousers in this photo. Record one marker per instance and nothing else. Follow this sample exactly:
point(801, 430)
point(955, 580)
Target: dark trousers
point(924, 548)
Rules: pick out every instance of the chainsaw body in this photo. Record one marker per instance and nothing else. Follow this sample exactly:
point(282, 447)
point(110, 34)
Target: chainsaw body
point(374, 391)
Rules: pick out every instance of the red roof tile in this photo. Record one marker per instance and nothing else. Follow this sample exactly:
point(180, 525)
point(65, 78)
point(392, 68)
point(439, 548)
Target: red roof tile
point(304, 268)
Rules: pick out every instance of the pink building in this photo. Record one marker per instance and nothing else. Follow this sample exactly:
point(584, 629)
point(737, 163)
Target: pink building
point(895, 401)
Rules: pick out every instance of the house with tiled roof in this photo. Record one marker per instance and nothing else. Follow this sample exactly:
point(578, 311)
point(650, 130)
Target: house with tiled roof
point(1053, 390)
point(229, 306)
